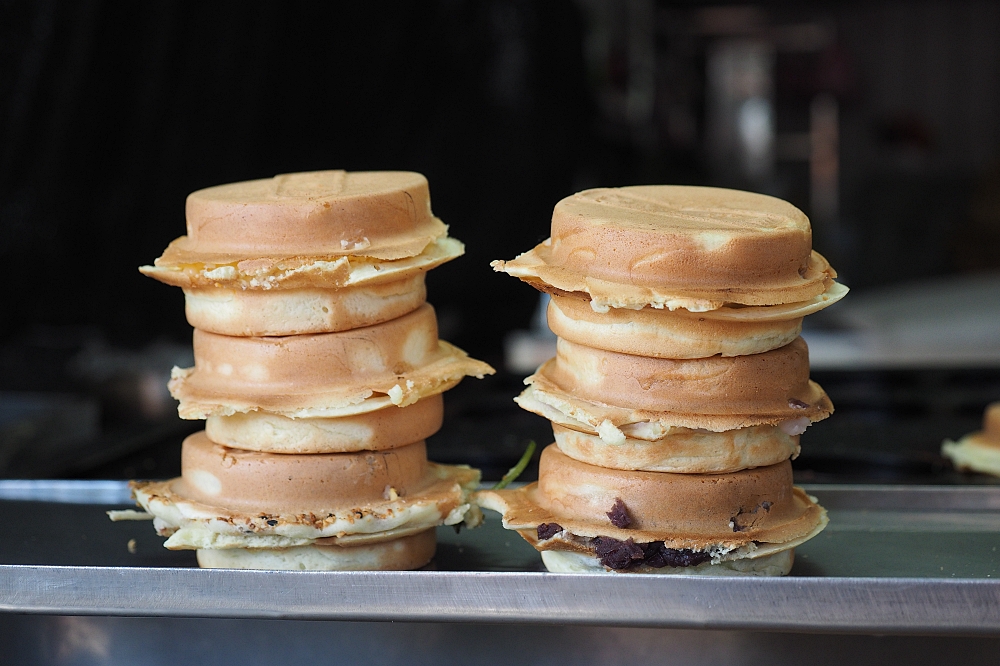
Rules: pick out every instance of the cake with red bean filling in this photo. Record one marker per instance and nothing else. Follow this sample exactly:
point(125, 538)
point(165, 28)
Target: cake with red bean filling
point(680, 385)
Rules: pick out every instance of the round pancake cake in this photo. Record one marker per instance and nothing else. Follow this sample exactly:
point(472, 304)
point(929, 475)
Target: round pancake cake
point(322, 375)
point(646, 521)
point(680, 334)
point(231, 498)
point(595, 390)
point(385, 428)
point(978, 451)
point(277, 312)
point(683, 450)
point(670, 246)
point(401, 554)
point(379, 214)
point(320, 229)
point(297, 483)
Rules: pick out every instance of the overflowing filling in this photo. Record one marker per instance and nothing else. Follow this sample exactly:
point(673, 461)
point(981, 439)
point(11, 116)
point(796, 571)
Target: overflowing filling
point(297, 272)
point(627, 555)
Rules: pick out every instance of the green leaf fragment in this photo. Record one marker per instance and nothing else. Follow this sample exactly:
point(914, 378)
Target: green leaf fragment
point(516, 470)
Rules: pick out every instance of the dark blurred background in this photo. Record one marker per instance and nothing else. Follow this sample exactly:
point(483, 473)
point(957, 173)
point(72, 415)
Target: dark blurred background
point(879, 119)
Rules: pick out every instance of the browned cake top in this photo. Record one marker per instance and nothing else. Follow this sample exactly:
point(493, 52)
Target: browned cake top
point(674, 246)
point(381, 214)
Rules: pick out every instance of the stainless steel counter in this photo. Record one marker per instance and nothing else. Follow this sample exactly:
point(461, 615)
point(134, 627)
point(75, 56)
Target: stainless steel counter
point(894, 560)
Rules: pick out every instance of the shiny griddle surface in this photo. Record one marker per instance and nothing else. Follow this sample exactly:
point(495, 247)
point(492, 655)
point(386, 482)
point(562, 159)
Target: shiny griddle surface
point(893, 559)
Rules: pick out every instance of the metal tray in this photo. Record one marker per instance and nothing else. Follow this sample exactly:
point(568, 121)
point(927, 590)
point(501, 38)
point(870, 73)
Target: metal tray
point(895, 559)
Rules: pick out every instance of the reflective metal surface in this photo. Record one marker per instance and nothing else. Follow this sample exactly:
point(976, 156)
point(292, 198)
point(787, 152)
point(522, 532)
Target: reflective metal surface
point(113, 641)
point(894, 559)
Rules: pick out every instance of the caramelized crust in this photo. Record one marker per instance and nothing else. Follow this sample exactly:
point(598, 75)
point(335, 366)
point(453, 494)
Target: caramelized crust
point(774, 384)
point(292, 483)
point(693, 511)
point(669, 246)
point(680, 236)
point(380, 214)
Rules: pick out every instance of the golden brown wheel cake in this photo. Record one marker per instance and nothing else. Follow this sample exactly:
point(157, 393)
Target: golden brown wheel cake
point(606, 519)
point(300, 217)
point(385, 428)
point(310, 252)
point(671, 246)
point(256, 312)
point(683, 450)
point(230, 498)
point(602, 392)
point(679, 334)
point(322, 375)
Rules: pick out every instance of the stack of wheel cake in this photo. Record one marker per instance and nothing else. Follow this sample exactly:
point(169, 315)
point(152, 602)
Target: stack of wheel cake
point(319, 372)
point(680, 385)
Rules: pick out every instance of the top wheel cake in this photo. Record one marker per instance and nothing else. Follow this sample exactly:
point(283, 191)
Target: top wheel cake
point(321, 228)
point(678, 247)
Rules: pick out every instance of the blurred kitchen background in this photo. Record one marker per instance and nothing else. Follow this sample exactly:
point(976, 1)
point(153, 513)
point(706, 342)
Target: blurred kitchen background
point(879, 119)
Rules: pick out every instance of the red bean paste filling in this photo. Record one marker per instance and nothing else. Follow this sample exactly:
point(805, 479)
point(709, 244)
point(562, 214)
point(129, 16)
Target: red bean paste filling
point(548, 530)
point(619, 515)
point(625, 555)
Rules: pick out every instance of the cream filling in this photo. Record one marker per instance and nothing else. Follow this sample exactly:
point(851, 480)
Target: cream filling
point(723, 310)
point(566, 413)
point(968, 454)
point(605, 294)
point(400, 552)
point(332, 272)
point(195, 537)
point(605, 300)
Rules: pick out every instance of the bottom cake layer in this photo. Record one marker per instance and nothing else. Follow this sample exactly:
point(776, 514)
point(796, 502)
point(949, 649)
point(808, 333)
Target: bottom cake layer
point(405, 553)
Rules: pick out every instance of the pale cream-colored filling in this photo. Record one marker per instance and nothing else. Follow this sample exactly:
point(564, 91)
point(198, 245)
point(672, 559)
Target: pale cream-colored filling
point(405, 552)
point(194, 525)
point(970, 454)
point(323, 272)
